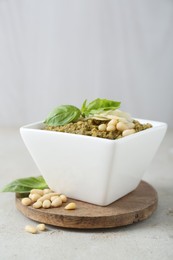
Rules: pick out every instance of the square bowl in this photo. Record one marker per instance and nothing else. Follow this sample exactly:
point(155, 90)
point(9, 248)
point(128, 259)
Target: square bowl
point(92, 169)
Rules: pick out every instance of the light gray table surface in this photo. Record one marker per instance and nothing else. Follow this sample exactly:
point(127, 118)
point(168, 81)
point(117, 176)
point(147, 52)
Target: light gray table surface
point(149, 239)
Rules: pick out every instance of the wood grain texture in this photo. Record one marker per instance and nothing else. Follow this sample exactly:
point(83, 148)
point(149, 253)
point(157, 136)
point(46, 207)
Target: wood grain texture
point(136, 206)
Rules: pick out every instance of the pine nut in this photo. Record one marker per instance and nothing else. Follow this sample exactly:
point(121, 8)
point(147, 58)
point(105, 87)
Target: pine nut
point(71, 205)
point(56, 202)
point(41, 227)
point(121, 126)
point(37, 191)
point(54, 197)
point(46, 204)
point(46, 191)
point(128, 132)
point(30, 196)
point(102, 127)
point(30, 229)
point(110, 128)
point(113, 122)
point(37, 205)
point(34, 197)
point(48, 196)
point(26, 201)
point(63, 198)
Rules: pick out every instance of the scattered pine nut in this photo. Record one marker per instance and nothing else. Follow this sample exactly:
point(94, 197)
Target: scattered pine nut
point(54, 197)
point(34, 197)
point(37, 205)
point(31, 229)
point(63, 198)
point(56, 202)
point(46, 204)
point(30, 195)
point(71, 205)
point(46, 191)
point(41, 227)
point(37, 191)
point(47, 196)
point(26, 201)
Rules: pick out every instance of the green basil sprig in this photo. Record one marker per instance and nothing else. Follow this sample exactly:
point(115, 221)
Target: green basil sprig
point(98, 105)
point(65, 114)
point(24, 185)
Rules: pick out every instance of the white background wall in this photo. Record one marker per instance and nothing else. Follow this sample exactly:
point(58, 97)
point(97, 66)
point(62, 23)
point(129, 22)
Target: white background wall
point(56, 52)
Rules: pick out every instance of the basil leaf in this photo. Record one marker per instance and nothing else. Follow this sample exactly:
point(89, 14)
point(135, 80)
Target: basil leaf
point(25, 185)
point(99, 105)
point(83, 108)
point(63, 115)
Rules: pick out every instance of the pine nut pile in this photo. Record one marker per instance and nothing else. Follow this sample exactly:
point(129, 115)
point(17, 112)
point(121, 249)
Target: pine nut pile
point(126, 128)
point(46, 199)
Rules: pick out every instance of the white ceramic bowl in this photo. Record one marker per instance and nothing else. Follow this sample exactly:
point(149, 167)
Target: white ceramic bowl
point(92, 169)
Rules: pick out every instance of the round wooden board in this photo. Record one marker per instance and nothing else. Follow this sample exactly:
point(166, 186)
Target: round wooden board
point(136, 206)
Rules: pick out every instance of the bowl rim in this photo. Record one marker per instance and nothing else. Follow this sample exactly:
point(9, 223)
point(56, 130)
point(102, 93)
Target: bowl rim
point(36, 126)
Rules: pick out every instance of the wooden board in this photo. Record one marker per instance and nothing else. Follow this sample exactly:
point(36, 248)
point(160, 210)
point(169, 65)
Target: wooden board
point(136, 206)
